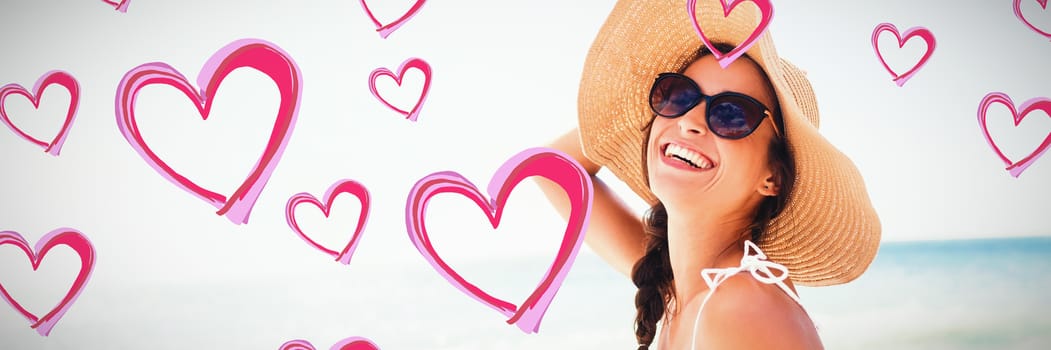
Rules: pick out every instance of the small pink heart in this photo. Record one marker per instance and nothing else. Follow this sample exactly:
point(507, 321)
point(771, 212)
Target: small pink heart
point(543, 162)
point(921, 32)
point(63, 236)
point(121, 6)
point(1039, 103)
point(1022, 17)
point(55, 77)
point(409, 63)
point(725, 58)
point(352, 343)
point(257, 54)
point(343, 186)
point(386, 29)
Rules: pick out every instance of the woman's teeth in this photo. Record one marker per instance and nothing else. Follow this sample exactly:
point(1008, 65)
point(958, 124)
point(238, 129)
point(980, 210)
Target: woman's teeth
point(690, 157)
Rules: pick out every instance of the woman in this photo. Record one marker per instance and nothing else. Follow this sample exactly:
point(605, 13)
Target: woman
point(747, 197)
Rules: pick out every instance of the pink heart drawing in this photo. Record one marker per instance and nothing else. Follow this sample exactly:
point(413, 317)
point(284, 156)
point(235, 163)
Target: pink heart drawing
point(766, 9)
point(343, 186)
point(409, 63)
point(1015, 168)
point(55, 77)
point(257, 54)
point(1018, 13)
point(62, 236)
point(921, 32)
point(544, 162)
point(386, 29)
point(121, 6)
point(352, 343)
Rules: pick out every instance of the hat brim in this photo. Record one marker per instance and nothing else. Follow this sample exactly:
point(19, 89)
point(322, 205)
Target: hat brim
point(828, 233)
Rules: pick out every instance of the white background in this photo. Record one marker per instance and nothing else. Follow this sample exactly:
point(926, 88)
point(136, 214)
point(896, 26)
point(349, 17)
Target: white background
point(172, 274)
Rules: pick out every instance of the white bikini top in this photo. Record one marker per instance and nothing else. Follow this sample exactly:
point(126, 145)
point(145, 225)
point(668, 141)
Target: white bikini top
point(753, 261)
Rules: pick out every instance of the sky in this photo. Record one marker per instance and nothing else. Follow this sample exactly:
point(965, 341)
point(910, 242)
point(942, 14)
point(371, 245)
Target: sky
point(504, 79)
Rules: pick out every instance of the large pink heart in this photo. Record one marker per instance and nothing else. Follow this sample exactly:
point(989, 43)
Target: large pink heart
point(921, 32)
point(409, 63)
point(1018, 13)
point(343, 186)
point(1015, 168)
point(766, 9)
point(386, 29)
point(63, 236)
point(544, 162)
point(55, 77)
point(121, 6)
point(257, 54)
point(352, 343)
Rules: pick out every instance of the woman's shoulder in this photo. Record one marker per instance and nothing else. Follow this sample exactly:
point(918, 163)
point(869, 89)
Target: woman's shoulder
point(745, 313)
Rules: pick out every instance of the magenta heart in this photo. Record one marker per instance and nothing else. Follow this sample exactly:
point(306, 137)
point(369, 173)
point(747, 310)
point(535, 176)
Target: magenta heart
point(352, 343)
point(921, 32)
point(1018, 13)
point(340, 187)
point(256, 54)
point(409, 63)
point(543, 162)
point(386, 29)
point(63, 236)
point(121, 6)
point(55, 77)
point(766, 9)
point(1015, 168)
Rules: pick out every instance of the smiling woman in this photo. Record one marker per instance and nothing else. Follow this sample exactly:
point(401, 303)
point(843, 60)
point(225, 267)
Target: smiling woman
point(728, 155)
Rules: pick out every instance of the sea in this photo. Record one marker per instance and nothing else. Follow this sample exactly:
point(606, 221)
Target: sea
point(953, 294)
point(957, 294)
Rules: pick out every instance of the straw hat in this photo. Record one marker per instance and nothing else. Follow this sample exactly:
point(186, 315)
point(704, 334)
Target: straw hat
point(828, 233)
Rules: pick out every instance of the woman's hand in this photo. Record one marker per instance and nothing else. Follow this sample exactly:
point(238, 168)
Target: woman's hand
point(614, 232)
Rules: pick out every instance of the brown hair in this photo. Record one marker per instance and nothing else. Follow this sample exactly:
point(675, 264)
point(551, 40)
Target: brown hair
point(652, 274)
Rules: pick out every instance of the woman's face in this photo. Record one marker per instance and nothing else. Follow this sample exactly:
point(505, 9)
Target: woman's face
point(726, 175)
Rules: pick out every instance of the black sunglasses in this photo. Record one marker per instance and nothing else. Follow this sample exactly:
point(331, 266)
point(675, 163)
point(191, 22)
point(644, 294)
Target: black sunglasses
point(729, 115)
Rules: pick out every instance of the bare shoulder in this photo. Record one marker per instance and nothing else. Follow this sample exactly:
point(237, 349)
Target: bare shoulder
point(745, 313)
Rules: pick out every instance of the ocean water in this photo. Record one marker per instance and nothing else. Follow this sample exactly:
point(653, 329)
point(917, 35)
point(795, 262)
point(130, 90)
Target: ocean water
point(966, 294)
point(973, 294)
point(961, 294)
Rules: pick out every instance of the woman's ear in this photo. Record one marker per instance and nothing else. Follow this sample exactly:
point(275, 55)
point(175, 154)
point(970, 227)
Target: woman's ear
point(769, 186)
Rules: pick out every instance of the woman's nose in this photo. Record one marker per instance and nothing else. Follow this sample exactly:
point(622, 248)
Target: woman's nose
point(693, 121)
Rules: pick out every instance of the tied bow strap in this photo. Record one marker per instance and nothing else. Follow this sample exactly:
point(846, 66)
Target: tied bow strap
point(753, 261)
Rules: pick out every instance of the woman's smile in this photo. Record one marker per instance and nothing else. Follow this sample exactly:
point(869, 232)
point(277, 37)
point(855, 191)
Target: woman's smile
point(681, 156)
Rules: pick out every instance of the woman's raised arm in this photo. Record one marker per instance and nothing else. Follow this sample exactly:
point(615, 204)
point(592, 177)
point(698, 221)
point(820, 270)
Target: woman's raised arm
point(614, 232)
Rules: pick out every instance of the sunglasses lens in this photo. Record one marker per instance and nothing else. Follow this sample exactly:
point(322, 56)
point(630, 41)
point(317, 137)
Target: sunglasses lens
point(734, 117)
point(673, 96)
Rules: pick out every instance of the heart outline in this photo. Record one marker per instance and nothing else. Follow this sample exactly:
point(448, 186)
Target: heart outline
point(352, 343)
point(766, 9)
point(544, 162)
point(412, 62)
point(342, 186)
point(386, 29)
point(1017, 5)
point(1015, 168)
point(260, 55)
point(61, 236)
point(121, 6)
point(54, 77)
point(922, 32)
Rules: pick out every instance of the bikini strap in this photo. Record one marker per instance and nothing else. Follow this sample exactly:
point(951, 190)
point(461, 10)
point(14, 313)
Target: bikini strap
point(754, 261)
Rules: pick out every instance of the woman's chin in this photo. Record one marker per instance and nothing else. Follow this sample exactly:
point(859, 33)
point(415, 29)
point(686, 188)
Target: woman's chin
point(671, 184)
point(677, 196)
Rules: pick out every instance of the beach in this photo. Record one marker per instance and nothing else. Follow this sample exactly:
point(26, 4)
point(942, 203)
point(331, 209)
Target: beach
point(962, 294)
